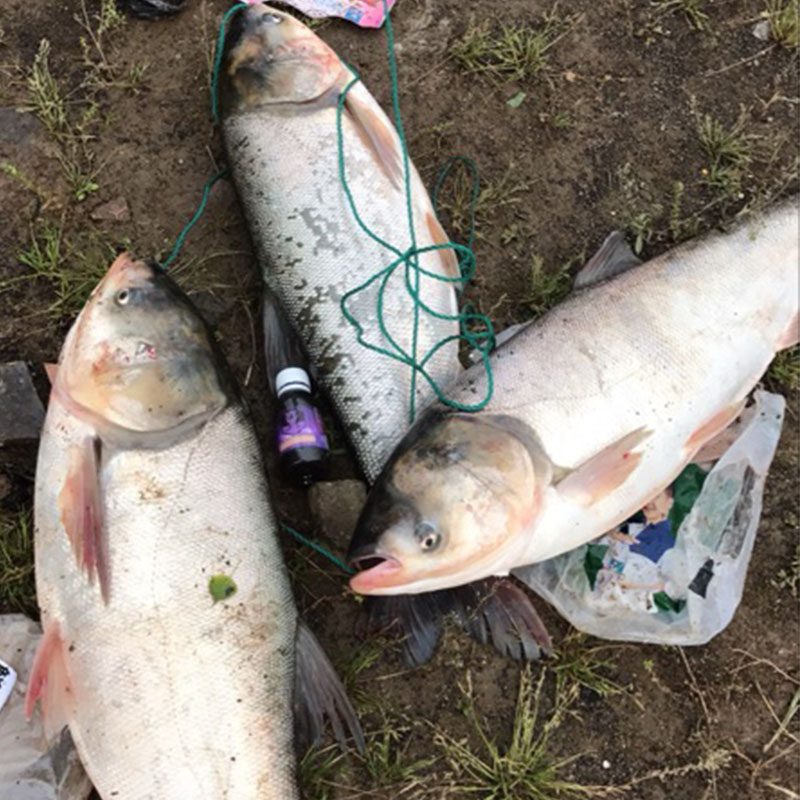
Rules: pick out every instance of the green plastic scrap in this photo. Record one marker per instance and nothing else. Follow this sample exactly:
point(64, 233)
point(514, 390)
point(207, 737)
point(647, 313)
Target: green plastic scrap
point(685, 491)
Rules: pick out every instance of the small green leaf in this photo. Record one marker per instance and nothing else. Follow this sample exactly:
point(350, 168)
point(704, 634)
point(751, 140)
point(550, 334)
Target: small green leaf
point(593, 561)
point(221, 587)
point(516, 100)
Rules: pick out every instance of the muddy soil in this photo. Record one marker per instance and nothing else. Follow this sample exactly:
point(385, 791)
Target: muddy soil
point(603, 137)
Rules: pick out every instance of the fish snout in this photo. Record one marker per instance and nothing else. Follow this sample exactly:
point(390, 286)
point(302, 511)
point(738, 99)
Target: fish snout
point(126, 271)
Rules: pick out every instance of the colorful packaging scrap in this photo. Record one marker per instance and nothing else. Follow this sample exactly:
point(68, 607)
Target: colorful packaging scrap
point(364, 13)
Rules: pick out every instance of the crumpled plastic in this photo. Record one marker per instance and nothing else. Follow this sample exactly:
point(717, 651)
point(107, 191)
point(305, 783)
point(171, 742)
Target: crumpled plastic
point(30, 767)
point(644, 583)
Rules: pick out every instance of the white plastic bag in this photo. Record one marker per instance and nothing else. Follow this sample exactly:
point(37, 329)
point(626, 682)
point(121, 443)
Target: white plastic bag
point(690, 591)
point(29, 768)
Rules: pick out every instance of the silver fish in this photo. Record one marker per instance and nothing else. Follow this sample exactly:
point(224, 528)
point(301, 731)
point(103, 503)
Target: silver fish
point(599, 406)
point(171, 641)
point(283, 85)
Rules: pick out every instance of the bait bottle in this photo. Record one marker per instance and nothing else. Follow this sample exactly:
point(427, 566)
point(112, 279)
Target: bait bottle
point(302, 444)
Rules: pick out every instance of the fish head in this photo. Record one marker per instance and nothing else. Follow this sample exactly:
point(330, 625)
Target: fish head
point(273, 58)
point(454, 504)
point(139, 358)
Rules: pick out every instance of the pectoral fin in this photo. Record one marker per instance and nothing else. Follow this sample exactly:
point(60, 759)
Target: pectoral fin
point(603, 473)
point(376, 132)
point(494, 611)
point(49, 683)
point(613, 258)
point(81, 512)
point(319, 694)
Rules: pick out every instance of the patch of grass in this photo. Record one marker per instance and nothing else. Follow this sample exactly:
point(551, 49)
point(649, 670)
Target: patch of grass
point(640, 209)
point(514, 52)
point(547, 286)
point(789, 578)
point(385, 756)
point(693, 10)
point(785, 368)
point(317, 770)
point(784, 22)
point(577, 664)
point(525, 769)
point(17, 588)
point(728, 151)
point(72, 272)
point(47, 101)
point(492, 195)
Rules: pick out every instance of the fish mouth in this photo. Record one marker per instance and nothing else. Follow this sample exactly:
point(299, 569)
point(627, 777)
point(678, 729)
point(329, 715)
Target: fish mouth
point(374, 568)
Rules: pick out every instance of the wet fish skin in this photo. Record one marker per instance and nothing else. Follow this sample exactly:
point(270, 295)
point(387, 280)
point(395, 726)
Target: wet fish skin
point(149, 483)
point(282, 90)
point(599, 405)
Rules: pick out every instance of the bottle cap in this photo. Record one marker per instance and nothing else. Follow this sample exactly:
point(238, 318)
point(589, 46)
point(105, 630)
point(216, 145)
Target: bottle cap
point(292, 379)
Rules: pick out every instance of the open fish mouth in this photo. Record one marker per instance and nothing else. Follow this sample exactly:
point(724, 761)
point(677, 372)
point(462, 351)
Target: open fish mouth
point(374, 567)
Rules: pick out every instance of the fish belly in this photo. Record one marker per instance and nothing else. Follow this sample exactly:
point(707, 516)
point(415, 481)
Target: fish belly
point(175, 696)
point(313, 251)
point(670, 347)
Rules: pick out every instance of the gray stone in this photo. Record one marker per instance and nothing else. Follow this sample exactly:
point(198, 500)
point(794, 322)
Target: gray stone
point(115, 210)
point(336, 506)
point(21, 410)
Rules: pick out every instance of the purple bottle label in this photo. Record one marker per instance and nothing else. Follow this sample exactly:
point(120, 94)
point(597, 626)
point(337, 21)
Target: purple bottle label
point(300, 425)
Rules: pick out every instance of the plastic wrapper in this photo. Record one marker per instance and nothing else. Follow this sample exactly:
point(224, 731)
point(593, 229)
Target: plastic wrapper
point(643, 583)
point(31, 768)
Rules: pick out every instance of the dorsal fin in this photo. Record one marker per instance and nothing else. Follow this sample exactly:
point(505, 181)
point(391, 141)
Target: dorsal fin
point(614, 257)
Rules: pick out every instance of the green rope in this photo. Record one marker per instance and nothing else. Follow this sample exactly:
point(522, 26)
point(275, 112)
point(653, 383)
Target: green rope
point(218, 59)
point(300, 538)
point(476, 329)
point(197, 214)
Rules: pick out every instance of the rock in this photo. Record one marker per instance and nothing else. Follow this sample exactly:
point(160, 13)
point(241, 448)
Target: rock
point(21, 410)
point(336, 506)
point(115, 210)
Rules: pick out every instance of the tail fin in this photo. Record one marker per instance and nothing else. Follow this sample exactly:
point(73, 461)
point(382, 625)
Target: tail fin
point(494, 611)
point(319, 694)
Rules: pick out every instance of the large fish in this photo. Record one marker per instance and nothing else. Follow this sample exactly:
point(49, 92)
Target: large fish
point(599, 405)
point(282, 89)
point(171, 640)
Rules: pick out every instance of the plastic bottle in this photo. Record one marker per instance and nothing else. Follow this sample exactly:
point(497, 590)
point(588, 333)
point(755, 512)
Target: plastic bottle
point(301, 440)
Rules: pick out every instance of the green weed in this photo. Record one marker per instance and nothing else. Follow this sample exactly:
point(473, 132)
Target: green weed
point(728, 152)
point(693, 10)
point(525, 769)
point(71, 272)
point(784, 22)
point(785, 368)
point(492, 195)
point(46, 99)
point(789, 578)
point(547, 287)
point(385, 756)
point(577, 664)
point(17, 588)
point(317, 771)
point(515, 52)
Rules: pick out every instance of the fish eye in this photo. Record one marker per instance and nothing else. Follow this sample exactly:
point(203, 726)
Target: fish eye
point(427, 536)
point(271, 19)
point(122, 297)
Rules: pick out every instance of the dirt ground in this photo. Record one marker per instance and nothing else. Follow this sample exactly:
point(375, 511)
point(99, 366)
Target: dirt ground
point(615, 130)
